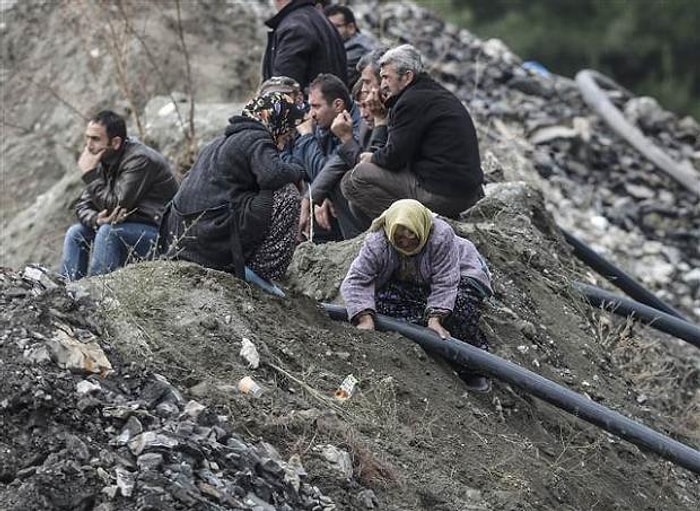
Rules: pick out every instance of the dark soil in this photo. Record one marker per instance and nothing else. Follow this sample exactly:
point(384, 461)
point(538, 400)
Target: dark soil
point(416, 438)
point(172, 332)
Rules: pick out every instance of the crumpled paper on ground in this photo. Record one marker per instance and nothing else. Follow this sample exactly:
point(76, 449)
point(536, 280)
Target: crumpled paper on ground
point(69, 353)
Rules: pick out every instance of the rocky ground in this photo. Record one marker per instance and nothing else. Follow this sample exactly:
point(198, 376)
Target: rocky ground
point(122, 392)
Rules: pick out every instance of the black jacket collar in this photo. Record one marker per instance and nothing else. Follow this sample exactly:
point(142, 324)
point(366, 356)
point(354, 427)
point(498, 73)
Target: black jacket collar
point(419, 78)
point(291, 6)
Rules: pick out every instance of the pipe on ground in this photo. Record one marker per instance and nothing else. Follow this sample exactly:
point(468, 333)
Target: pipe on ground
point(587, 81)
point(553, 393)
point(654, 318)
point(616, 276)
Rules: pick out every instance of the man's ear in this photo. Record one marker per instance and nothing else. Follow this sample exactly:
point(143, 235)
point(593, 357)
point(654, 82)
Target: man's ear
point(411, 75)
point(116, 143)
point(338, 105)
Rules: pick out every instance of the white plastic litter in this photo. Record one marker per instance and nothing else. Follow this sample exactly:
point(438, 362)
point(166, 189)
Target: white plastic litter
point(250, 353)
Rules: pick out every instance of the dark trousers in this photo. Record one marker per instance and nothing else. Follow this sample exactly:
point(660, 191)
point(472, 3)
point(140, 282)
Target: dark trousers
point(370, 189)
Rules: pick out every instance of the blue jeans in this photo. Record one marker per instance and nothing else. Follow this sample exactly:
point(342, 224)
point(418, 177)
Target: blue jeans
point(112, 246)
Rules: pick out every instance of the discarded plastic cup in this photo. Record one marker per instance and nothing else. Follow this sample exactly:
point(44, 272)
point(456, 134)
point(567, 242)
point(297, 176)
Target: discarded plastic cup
point(248, 385)
point(347, 388)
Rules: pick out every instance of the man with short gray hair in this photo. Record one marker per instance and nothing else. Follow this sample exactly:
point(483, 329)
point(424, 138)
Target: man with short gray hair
point(432, 152)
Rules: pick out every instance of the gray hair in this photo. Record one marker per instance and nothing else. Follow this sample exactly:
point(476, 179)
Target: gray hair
point(371, 59)
point(404, 58)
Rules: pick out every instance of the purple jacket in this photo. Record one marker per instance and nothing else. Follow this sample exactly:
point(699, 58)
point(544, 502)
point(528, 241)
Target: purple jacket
point(443, 261)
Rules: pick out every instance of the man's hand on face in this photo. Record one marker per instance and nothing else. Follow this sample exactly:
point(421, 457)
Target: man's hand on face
point(306, 127)
point(376, 107)
point(342, 126)
point(89, 160)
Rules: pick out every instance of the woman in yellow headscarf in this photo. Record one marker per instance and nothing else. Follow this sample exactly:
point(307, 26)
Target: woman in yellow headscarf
point(413, 266)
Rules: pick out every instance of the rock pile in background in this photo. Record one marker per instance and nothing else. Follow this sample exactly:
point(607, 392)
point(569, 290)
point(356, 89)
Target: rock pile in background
point(96, 437)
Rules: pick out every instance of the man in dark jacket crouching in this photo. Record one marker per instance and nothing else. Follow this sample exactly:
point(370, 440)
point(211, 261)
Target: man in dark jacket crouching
point(431, 154)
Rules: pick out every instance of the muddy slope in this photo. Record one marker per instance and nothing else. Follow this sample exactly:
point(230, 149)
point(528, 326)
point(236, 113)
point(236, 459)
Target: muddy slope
point(410, 438)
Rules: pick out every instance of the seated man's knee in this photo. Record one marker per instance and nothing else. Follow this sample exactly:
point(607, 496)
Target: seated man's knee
point(105, 230)
point(77, 233)
point(350, 184)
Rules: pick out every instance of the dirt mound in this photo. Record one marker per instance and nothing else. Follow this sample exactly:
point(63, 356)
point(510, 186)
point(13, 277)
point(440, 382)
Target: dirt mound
point(409, 438)
point(167, 428)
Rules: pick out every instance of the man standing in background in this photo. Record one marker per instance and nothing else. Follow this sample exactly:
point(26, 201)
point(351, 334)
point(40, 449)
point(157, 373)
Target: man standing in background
point(302, 44)
point(356, 43)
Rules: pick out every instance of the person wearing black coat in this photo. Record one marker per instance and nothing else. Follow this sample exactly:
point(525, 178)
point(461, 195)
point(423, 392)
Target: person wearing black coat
point(238, 205)
point(302, 44)
point(432, 152)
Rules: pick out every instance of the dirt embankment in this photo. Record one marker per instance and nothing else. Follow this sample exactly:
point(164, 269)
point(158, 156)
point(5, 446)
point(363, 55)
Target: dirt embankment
point(409, 438)
point(168, 429)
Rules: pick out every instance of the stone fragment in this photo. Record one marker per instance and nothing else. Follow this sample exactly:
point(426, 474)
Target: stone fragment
point(151, 440)
point(125, 481)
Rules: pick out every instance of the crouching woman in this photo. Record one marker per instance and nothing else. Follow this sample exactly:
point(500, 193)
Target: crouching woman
point(238, 206)
point(414, 267)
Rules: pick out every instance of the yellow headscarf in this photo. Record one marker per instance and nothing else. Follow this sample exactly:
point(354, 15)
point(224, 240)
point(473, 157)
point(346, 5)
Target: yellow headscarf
point(407, 213)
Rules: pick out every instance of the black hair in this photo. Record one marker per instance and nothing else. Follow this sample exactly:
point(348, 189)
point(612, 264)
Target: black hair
point(114, 124)
point(348, 15)
point(331, 88)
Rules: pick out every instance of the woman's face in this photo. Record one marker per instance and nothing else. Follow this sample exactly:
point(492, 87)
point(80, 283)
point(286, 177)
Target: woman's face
point(406, 239)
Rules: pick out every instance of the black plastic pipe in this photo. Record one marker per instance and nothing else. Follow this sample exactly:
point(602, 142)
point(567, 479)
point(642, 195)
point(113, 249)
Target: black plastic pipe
point(654, 318)
point(553, 393)
point(616, 276)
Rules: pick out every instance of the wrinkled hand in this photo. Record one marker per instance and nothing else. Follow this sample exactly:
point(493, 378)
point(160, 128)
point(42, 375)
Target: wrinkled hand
point(435, 325)
point(342, 126)
point(365, 322)
point(304, 220)
point(88, 160)
point(306, 127)
point(118, 215)
point(323, 214)
point(365, 157)
point(374, 104)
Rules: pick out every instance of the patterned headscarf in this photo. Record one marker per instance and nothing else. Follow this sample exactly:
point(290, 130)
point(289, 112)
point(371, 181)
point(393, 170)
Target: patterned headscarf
point(276, 111)
point(407, 213)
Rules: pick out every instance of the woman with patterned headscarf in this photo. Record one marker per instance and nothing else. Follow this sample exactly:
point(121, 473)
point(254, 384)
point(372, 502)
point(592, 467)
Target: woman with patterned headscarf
point(413, 266)
point(238, 206)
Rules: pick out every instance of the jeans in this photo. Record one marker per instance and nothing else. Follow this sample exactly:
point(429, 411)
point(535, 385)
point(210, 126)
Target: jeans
point(112, 246)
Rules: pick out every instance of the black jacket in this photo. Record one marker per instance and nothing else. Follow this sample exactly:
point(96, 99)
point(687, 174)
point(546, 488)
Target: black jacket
point(302, 44)
point(139, 179)
point(225, 201)
point(346, 158)
point(432, 135)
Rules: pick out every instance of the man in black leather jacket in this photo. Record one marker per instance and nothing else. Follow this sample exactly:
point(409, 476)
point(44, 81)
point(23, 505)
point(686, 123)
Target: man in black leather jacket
point(127, 186)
